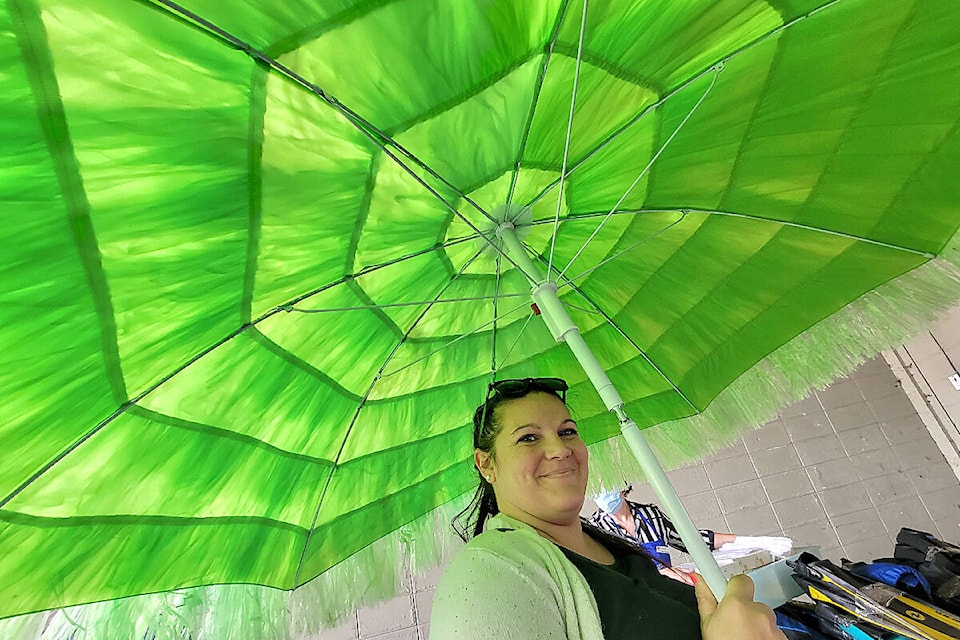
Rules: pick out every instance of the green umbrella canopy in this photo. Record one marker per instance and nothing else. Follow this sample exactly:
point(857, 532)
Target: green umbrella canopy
point(247, 312)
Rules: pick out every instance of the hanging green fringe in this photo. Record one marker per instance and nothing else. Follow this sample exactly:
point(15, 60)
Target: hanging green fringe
point(249, 612)
point(882, 318)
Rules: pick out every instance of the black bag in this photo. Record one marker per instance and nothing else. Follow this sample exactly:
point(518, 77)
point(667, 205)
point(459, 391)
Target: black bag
point(936, 560)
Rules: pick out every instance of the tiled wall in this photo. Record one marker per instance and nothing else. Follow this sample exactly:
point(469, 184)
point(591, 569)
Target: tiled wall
point(406, 617)
point(843, 469)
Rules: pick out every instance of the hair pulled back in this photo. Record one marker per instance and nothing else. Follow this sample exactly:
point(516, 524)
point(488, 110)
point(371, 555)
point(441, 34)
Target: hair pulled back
point(486, 426)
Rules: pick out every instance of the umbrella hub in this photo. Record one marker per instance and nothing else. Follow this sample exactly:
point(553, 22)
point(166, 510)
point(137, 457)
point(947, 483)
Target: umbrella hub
point(519, 216)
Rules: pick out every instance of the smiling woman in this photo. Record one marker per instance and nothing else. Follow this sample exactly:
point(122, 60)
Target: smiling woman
point(534, 570)
point(539, 472)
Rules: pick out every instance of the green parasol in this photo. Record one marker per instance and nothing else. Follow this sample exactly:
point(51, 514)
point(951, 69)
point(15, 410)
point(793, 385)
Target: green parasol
point(255, 269)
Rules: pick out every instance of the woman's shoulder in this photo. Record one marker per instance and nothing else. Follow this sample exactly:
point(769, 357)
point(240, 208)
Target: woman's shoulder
point(507, 544)
point(499, 578)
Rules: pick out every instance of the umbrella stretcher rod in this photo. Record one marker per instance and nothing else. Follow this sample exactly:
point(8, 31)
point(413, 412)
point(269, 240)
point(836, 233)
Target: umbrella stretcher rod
point(563, 328)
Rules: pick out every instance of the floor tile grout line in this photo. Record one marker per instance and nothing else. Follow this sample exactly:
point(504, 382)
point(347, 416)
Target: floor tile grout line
point(766, 493)
point(829, 518)
point(713, 490)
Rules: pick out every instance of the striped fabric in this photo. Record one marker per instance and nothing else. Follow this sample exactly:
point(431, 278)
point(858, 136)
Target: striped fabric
point(659, 526)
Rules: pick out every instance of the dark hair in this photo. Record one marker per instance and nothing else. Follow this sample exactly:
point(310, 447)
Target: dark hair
point(486, 425)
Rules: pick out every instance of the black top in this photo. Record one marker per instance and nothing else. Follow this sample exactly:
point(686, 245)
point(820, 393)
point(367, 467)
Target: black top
point(636, 602)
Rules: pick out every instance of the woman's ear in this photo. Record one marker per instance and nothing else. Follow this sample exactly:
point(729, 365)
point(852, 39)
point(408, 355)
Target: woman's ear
point(484, 465)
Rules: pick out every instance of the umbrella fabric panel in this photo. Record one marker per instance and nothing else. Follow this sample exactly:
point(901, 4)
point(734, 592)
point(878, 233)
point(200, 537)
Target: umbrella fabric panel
point(439, 324)
point(282, 27)
point(661, 45)
point(603, 179)
point(748, 299)
point(366, 478)
point(156, 256)
point(765, 330)
point(393, 423)
point(844, 128)
point(148, 466)
point(802, 134)
point(311, 177)
point(54, 361)
point(605, 103)
point(384, 233)
point(89, 559)
point(419, 59)
point(333, 542)
point(336, 364)
point(252, 387)
point(498, 116)
point(526, 184)
point(696, 170)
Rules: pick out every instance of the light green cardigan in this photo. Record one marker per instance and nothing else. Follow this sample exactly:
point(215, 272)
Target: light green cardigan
point(513, 585)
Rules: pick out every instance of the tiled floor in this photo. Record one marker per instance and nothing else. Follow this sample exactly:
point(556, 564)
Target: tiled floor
point(843, 469)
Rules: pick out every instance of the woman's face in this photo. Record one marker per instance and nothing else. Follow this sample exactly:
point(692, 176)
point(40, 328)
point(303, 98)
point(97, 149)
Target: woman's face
point(539, 465)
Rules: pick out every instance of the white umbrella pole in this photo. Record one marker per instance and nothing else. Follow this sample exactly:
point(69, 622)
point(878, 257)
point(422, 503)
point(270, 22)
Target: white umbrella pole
point(562, 327)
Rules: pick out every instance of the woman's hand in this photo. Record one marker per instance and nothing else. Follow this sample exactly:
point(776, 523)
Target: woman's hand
point(737, 616)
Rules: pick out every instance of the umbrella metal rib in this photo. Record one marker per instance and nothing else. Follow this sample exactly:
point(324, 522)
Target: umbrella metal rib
point(406, 304)
point(680, 87)
point(566, 144)
point(567, 282)
point(286, 306)
point(523, 328)
point(538, 88)
point(570, 280)
point(729, 214)
point(807, 227)
point(457, 339)
point(493, 332)
point(626, 193)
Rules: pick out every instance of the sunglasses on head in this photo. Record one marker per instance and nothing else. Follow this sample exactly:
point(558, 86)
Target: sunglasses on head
point(515, 389)
point(522, 386)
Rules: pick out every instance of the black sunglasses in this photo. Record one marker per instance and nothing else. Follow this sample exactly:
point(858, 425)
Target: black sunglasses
point(522, 386)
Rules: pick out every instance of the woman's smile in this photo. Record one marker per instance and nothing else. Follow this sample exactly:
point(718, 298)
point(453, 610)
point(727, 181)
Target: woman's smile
point(563, 473)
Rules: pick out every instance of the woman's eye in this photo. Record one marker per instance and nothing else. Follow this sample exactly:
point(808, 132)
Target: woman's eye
point(528, 438)
point(569, 431)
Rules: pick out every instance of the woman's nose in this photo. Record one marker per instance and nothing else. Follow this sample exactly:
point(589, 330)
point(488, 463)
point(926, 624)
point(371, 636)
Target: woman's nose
point(557, 448)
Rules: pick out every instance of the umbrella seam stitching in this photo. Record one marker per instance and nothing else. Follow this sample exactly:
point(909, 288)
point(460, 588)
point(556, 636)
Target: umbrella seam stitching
point(356, 415)
point(314, 32)
point(37, 61)
point(258, 106)
point(865, 97)
point(535, 100)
